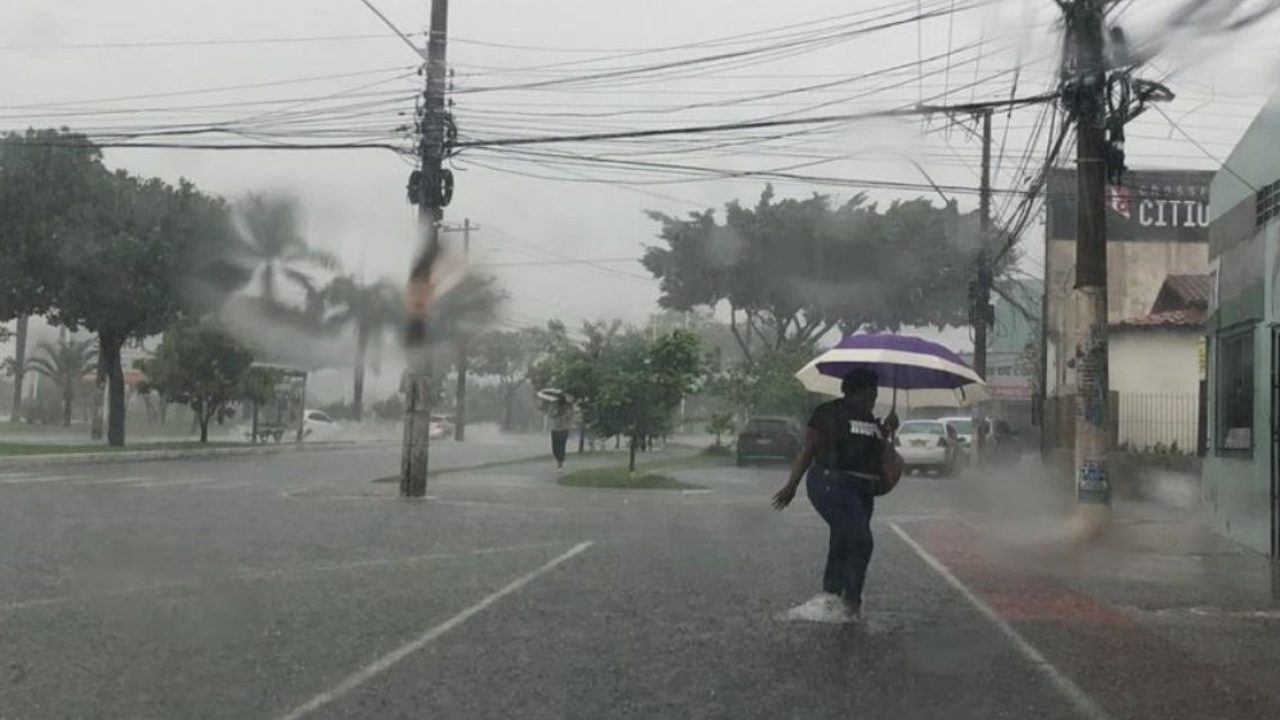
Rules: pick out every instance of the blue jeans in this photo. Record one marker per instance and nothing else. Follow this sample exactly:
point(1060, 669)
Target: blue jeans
point(846, 503)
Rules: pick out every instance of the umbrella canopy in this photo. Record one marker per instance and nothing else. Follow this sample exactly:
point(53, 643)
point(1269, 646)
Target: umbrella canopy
point(915, 371)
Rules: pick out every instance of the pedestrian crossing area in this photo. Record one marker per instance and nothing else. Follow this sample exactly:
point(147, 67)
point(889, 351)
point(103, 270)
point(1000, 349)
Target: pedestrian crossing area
point(70, 479)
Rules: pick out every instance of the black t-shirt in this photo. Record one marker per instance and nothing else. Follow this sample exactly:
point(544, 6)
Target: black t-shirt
point(848, 441)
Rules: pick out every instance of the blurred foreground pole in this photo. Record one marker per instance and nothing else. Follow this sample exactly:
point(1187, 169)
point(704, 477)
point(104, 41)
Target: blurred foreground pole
point(1086, 99)
point(417, 412)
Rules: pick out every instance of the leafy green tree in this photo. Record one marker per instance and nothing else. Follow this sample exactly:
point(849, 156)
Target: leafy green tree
point(720, 424)
point(65, 364)
point(766, 387)
point(201, 366)
point(793, 270)
point(640, 382)
point(45, 178)
point(125, 269)
point(510, 357)
point(372, 309)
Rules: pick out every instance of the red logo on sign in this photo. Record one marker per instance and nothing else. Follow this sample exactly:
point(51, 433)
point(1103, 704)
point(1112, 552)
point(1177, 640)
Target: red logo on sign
point(1121, 200)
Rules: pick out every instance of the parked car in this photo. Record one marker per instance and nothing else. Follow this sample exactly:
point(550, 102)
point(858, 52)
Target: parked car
point(441, 427)
point(769, 438)
point(318, 425)
point(1004, 443)
point(962, 431)
point(928, 445)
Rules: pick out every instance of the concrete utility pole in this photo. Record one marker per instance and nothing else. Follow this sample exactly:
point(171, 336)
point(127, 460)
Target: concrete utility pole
point(982, 295)
point(982, 314)
point(460, 417)
point(430, 188)
point(1086, 95)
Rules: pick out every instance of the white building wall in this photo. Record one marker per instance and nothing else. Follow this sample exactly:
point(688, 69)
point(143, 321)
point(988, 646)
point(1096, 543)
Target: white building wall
point(1157, 376)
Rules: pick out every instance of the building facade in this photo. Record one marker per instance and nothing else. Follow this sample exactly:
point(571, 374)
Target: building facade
point(1240, 472)
point(1157, 226)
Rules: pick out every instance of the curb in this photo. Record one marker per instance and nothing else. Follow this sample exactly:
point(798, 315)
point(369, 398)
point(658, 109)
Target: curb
point(152, 455)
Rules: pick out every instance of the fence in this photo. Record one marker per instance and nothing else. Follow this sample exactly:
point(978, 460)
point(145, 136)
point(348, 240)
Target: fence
point(1159, 422)
point(1145, 422)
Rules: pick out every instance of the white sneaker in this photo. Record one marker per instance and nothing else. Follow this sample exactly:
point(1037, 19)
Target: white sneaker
point(823, 608)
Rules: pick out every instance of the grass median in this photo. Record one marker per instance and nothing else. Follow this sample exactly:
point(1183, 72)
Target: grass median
point(648, 475)
point(11, 449)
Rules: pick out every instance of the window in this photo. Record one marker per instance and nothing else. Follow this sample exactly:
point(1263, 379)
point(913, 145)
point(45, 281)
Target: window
point(921, 428)
point(1268, 203)
point(1234, 389)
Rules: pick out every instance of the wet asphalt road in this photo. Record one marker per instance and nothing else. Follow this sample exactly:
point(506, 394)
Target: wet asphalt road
point(290, 586)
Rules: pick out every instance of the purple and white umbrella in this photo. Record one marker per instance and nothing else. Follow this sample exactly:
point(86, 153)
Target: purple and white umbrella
point(913, 372)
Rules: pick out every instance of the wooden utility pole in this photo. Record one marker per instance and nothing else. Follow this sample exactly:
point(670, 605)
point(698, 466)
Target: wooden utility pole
point(431, 197)
point(1087, 99)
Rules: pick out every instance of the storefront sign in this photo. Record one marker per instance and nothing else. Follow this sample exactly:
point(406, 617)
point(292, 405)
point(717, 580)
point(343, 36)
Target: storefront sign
point(1151, 205)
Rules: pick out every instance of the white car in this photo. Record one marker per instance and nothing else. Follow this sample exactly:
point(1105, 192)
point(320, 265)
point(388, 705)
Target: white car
point(318, 426)
point(441, 427)
point(926, 445)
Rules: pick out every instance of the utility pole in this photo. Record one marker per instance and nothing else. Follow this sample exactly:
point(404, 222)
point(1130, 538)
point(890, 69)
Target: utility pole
point(430, 187)
point(1086, 96)
point(460, 416)
point(982, 296)
point(980, 314)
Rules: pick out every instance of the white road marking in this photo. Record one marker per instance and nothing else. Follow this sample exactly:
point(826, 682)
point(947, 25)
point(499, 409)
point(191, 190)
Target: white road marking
point(1087, 707)
point(172, 483)
point(271, 574)
point(358, 678)
point(39, 479)
point(14, 475)
point(111, 481)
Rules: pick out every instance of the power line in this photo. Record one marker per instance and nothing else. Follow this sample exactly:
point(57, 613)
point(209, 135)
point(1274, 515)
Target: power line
point(749, 125)
point(404, 38)
point(718, 57)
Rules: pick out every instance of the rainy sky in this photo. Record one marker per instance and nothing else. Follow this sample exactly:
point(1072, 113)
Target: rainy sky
point(310, 71)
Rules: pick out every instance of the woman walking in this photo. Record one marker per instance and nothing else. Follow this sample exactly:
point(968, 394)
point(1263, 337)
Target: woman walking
point(561, 414)
point(844, 454)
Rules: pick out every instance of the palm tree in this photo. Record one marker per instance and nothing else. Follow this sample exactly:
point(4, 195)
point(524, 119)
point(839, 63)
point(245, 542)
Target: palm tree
point(65, 364)
point(268, 226)
point(372, 309)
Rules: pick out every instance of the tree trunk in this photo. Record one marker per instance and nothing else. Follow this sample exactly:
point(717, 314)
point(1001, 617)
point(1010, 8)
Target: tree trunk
point(110, 351)
point(203, 416)
point(508, 412)
point(582, 436)
point(631, 456)
point(357, 392)
point(99, 386)
point(67, 399)
point(20, 357)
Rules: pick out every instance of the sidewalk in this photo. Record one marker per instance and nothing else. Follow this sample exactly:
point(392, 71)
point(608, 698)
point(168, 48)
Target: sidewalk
point(1158, 618)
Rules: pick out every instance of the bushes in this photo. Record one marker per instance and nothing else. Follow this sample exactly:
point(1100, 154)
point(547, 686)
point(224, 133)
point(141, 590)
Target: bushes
point(44, 409)
point(390, 409)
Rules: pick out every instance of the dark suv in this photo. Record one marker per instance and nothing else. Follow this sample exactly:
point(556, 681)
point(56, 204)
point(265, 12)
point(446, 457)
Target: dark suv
point(769, 438)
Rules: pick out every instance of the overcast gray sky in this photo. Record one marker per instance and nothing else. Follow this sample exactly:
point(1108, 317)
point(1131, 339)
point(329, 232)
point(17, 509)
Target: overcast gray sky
point(180, 54)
